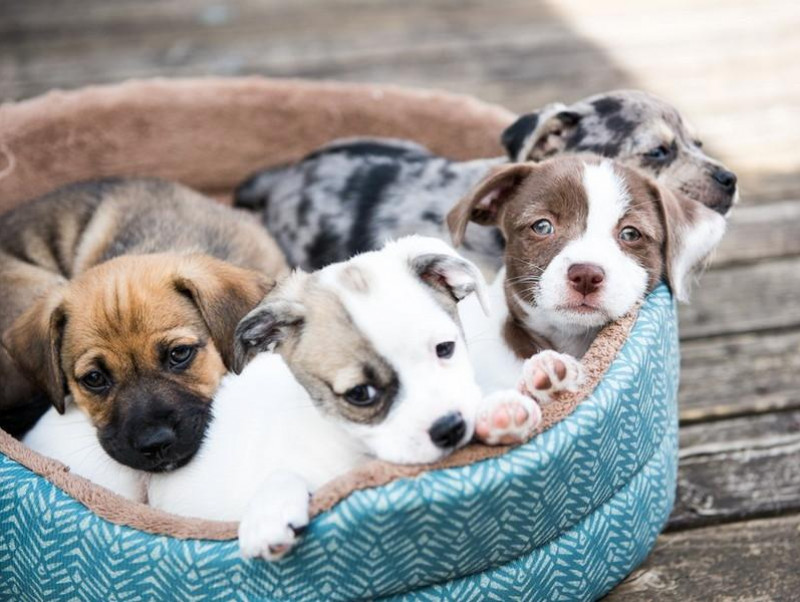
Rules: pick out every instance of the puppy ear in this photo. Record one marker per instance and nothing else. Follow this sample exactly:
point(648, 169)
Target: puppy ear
point(536, 136)
point(267, 326)
point(484, 203)
point(223, 293)
point(693, 232)
point(452, 275)
point(34, 343)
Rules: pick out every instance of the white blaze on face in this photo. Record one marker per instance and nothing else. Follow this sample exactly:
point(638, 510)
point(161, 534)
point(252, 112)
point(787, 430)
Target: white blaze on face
point(625, 281)
point(404, 323)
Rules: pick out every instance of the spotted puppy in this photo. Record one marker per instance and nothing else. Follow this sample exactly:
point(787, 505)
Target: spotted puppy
point(586, 240)
point(371, 363)
point(353, 194)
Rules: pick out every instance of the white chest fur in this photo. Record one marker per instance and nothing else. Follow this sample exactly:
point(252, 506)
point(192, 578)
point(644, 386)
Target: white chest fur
point(263, 421)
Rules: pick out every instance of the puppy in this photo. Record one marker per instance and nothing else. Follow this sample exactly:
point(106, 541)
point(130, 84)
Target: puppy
point(371, 364)
point(351, 195)
point(139, 345)
point(75, 267)
point(585, 240)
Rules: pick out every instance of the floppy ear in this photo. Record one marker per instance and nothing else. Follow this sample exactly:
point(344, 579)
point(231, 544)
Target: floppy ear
point(536, 136)
point(34, 343)
point(693, 232)
point(484, 203)
point(452, 275)
point(223, 293)
point(264, 328)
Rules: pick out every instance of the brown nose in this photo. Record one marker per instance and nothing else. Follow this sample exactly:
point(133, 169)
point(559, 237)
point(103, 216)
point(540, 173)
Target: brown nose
point(585, 277)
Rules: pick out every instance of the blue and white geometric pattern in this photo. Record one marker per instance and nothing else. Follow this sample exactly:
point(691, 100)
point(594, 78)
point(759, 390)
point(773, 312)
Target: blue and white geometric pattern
point(564, 517)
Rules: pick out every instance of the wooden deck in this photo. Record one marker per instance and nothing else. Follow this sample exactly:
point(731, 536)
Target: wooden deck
point(731, 65)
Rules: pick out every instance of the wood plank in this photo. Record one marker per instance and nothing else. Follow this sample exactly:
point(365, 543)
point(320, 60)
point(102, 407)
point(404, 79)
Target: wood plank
point(760, 231)
point(520, 54)
point(748, 561)
point(738, 469)
point(740, 299)
point(740, 374)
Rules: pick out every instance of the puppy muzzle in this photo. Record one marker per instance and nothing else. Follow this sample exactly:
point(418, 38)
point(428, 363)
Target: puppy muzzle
point(157, 436)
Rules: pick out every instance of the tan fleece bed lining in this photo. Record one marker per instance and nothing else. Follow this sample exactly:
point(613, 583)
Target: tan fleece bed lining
point(210, 134)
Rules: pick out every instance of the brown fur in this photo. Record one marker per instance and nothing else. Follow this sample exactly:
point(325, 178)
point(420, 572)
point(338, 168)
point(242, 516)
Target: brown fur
point(326, 353)
point(513, 197)
point(122, 318)
point(53, 240)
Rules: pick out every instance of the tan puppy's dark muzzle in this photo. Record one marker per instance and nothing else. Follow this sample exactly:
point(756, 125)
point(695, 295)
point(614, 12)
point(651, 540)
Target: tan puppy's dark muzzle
point(140, 343)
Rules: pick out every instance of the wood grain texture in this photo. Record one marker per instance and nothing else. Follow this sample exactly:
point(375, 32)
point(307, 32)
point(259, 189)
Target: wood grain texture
point(738, 469)
point(752, 561)
point(740, 374)
point(731, 70)
point(744, 298)
point(758, 232)
point(729, 65)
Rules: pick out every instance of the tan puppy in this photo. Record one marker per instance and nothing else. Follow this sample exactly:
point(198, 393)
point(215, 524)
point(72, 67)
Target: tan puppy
point(140, 344)
point(47, 250)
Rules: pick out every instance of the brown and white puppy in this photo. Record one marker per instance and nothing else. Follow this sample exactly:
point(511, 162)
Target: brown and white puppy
point(138, 340)
point(586, 240)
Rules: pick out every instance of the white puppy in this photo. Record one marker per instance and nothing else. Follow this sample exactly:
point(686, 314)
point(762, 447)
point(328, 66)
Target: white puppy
point(372, 364)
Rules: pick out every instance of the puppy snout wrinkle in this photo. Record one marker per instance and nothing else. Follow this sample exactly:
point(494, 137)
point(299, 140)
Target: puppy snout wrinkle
point(153, 441)
point(448, 430)
point(585, 277)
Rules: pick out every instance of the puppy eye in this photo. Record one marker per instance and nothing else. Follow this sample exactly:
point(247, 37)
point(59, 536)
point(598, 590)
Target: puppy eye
point(95, 381)
point(629, 234)
point(180, 356)
point(543, 227)
point(658, 153)
point(361, 395)
point(698, 143)
point(445, 350)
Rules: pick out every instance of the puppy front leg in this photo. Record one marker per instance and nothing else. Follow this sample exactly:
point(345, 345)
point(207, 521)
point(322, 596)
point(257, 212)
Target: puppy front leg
point(275, 517)
point(549, 372)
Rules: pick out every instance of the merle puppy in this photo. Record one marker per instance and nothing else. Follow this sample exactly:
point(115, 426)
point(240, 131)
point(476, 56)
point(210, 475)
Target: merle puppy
point(352, 194)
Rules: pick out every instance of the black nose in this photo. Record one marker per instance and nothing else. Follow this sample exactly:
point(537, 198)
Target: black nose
point(153, 441)
point(585, 277)
point(448, 430)
point(726, 179)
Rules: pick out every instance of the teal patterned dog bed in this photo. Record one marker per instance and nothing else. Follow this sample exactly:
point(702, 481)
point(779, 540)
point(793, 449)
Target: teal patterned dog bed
point(564, 517)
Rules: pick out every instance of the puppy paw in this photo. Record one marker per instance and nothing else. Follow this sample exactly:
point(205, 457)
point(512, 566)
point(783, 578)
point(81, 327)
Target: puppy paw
point(275, 519)
point(550, 372)
point(506, 418)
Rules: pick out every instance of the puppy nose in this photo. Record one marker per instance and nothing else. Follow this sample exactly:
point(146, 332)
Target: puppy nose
point(585, 277)
point(448, 430)
point(726, 179)
point(154, 440)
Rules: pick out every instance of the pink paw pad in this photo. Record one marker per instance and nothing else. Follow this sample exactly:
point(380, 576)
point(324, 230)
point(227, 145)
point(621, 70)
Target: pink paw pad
point(548, 373)
point(507, 418)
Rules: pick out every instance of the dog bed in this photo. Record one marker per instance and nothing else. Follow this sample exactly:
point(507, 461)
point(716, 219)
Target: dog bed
point(565, 516)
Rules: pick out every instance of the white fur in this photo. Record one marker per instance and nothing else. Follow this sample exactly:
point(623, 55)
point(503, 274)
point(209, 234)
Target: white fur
point(269, 445)
point(697, 243)
point(72, 440)
point(625, 280)
point(263, 421)
point(549, 362)
point(404, 323)
point(571, 332)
